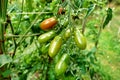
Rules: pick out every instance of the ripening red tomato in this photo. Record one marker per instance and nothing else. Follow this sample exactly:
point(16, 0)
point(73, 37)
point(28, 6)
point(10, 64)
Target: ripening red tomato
point(48, 23)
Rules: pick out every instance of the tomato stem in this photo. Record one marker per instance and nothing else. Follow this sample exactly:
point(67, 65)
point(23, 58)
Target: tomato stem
point(69, 10)
point(84, 25)
point(99, 33)
point(20, 15)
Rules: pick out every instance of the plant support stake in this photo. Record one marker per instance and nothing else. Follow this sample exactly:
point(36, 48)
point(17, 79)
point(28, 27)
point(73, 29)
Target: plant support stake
point(3, 11)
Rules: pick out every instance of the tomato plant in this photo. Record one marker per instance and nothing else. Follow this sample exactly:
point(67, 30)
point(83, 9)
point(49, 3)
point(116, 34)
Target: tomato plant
point(43, 44)
point(48, 23)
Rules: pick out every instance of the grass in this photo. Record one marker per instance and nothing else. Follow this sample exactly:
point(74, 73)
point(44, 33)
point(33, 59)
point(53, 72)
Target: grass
point(109, 47)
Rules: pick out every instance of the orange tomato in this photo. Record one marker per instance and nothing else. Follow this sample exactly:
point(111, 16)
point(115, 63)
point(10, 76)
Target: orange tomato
point(48, 23)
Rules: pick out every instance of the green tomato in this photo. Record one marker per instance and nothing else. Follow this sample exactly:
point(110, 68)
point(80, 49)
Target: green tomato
point(62, 64)
point(46, 36)
point(67, 33)
point(80, 39)
point(55, 46)
point(60, 68)
point(65, 58)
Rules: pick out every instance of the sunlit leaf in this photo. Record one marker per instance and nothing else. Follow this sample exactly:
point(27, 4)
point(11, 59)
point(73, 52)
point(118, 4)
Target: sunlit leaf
point(4, 59)
point(29, 49)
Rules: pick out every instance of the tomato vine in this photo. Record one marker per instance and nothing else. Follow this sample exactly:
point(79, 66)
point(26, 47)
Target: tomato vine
point(58, 45)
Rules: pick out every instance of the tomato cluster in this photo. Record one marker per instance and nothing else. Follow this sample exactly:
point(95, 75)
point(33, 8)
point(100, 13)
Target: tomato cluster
point(54, 46)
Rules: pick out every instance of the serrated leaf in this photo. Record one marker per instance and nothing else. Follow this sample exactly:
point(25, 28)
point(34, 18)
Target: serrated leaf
point(4, 59)
point(108, 17)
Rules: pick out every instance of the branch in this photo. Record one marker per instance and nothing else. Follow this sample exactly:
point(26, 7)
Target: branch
point(16, 36)
point(9, 21)
point(20, 15)
point(24, 13)
point(99, 33)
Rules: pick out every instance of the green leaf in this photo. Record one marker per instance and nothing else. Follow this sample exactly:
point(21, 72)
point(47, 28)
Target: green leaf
point(90, 9)
point(6, 73)
point(78, 3)
point(108, 17)
point(91, 52)
point(4, 59)
point(29, 5)
point(30, 48)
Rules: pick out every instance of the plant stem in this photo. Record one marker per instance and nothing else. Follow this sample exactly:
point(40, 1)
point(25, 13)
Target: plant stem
point(84, 25)
point(13, 38)
point(99, 33)
point(69, 9)
point(20, 15)
point(24, 13)
point(16, 36)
